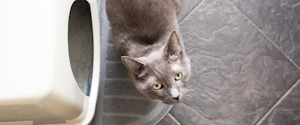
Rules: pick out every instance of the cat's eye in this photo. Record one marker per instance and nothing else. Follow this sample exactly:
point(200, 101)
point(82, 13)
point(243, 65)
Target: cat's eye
point(157, 86)
point(178, 76)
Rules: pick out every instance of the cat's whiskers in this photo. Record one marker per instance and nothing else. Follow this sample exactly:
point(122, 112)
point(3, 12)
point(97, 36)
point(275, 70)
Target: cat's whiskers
point(189, 95)
point(189, 89)
point(192, 90)
point(185, 92)
point(190, 86)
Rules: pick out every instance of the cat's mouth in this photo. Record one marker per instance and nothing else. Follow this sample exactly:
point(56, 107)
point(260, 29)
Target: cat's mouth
point(172, 101)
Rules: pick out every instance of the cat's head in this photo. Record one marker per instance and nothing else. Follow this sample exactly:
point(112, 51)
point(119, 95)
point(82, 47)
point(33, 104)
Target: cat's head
point(163, 74)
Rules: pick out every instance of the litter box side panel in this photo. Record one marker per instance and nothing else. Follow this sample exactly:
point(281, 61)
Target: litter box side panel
point(37, 80)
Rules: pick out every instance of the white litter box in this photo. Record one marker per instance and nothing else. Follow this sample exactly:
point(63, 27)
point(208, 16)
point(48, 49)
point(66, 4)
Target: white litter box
point(37, 83)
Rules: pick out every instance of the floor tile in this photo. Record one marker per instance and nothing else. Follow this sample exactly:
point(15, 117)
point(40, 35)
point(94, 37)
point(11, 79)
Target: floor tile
point(278, 19)
point(168, 120)
point(186, 8)
point(237, 73)
point(288, 111)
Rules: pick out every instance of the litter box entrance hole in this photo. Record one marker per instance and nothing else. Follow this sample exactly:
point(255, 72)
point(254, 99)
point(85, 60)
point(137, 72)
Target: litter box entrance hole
point(80, 37)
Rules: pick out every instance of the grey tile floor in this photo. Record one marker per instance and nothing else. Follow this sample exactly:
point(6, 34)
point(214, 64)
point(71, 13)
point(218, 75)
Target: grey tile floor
point(244, 56)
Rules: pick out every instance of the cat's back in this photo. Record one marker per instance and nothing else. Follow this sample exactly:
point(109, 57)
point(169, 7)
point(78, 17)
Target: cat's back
point(143, 21)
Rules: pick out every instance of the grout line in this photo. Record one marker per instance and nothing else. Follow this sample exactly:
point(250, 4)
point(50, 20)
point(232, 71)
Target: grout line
point(191, 11)
point(172, 117)
point(125, 97)
point(291, 88)
point(121, 114)
point(264, 34)
point(277, 103)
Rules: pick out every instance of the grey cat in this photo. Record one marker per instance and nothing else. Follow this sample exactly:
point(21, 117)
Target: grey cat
point(145, 34)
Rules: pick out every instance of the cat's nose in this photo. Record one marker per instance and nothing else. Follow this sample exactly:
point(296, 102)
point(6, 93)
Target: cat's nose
point(175, 98)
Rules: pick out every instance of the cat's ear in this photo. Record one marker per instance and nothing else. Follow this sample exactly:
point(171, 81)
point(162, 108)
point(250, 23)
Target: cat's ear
point(134, 66)
point(174, 48)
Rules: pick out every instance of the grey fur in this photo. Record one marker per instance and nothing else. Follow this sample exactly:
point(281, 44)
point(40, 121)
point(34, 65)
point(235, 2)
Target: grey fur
point(145, 34)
